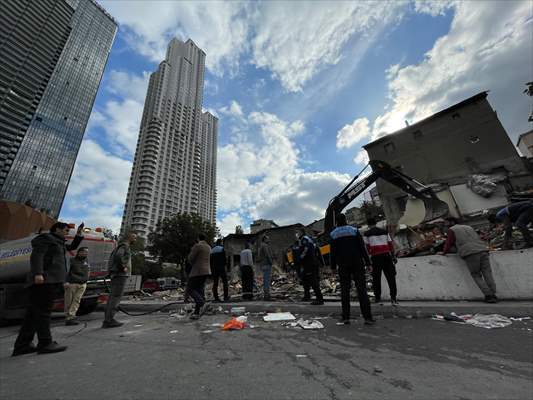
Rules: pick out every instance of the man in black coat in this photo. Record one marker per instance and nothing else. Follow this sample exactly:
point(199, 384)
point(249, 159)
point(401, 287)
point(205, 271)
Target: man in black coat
point(48, 271)
point(348, 252)
point(218, 270)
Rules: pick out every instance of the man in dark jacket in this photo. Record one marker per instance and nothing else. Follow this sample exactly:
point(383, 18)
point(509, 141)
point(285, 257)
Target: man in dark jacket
point(76, 283)
point(218, 270)
point(48, 270)
point(119, 270)
point(519, 214)
point(348, 252)
point(310, 266)
point(381, 250)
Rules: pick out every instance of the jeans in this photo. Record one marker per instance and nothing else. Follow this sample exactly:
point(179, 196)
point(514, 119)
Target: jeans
point(479, 266)
point(195, 286)
point(267, 274)
point(383, 262)
point(37, 318)
point(220, 273)
point(117, 290)
point(73, 294)
point(357, 273)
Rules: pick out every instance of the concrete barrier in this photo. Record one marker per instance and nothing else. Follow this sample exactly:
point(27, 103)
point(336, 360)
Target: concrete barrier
point(448, 278)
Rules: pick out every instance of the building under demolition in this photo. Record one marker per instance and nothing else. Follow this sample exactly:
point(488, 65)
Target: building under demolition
point(463, 152)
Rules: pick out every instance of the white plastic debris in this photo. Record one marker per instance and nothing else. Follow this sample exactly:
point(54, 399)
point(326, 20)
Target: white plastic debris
point(280, 316)
point(207, 331)
point(489, 321)
point(173, 331)
point(519, 318)
point(301, 355)
point(137, 326)
point(307, 324)
point(242, 318)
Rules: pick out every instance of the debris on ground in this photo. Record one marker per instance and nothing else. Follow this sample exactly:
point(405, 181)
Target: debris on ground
point(487, 321)
point(305, 324)
point(235, 323)
point(519, 318)
point(377, 369)
point(279, 316)
point(173, 331)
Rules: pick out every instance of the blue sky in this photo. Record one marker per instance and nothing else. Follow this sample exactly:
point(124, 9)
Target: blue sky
point(298, 88)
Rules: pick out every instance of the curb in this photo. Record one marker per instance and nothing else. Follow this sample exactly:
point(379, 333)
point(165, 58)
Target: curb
point(421, 310)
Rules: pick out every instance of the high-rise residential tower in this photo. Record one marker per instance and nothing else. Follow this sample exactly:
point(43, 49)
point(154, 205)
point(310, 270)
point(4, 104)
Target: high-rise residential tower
point(38, 167)
point(174, 168)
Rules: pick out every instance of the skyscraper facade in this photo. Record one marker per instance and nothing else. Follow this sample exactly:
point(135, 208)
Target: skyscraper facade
point(43, 164)
point(174, 168)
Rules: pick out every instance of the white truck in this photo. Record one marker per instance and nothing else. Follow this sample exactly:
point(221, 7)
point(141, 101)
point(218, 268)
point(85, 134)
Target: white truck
point(15, 266)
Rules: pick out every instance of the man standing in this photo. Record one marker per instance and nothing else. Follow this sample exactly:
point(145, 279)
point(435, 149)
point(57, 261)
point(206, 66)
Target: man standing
point(247, 272)
point(76, 284)
point(519, 214)
point(381, 250)
point(309, 263)
point(348, 252)
point(475, 253)
point(265, 261)
point(48, 270)
point(119, 265)
point(218, 270)
point(200, 270)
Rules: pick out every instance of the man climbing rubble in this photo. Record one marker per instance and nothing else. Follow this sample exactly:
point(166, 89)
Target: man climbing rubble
point(475, 253)
point(310, 266)
point(521, 215)
point(348, 252)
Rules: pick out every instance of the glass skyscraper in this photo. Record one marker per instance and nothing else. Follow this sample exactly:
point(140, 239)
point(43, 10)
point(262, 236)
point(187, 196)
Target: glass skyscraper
point(41, 170)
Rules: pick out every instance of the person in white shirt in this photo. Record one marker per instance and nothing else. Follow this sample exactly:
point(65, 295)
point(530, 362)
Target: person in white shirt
point(247, 272)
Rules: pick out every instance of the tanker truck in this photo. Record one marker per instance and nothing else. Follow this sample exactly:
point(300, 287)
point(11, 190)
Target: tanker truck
point(15, 266)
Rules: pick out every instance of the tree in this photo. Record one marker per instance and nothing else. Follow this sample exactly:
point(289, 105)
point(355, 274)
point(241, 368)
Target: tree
point(239, 230)
point(173, 237)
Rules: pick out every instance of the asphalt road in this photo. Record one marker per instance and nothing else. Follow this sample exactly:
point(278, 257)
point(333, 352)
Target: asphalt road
point(161, 357)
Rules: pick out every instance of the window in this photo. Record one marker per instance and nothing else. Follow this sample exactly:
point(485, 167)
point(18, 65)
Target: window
point(389, 148)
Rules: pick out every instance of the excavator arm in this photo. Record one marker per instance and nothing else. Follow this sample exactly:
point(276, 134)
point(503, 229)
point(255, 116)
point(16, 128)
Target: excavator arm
point(435, 207)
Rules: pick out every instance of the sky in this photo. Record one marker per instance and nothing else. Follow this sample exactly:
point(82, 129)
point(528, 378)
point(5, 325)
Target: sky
point(298, 88)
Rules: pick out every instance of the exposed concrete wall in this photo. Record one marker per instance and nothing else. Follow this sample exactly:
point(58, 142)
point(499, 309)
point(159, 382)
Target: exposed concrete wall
point(448, 278)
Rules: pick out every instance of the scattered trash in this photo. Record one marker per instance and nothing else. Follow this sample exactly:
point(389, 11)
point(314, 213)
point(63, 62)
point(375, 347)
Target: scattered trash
point(487, 321)
point(174, 331)
point(242, 318)
point(306, 324)
point(207, 331)
point(519, 318)
point(137, 326)
point(377, 369)
point(301, 355)
point(279, 316)
point(234, 324)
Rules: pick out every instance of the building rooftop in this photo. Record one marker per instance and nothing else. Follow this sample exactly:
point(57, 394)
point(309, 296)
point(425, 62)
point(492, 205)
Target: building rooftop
point(523, 135)
point(470, 100)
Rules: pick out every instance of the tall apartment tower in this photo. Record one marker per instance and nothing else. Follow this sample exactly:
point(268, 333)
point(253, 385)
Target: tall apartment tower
point(77, 35)
point(174, 169)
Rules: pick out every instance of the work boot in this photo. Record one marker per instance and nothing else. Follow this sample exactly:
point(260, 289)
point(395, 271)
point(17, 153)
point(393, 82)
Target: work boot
point(317, 303)
point(53, 347)
point(370, 321)
point(491, 299)
point(111, 324)
point(395, 303)
point(24, 350)
point(71, 322)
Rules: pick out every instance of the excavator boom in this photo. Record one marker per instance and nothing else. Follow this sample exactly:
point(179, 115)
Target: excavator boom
point(435, 208)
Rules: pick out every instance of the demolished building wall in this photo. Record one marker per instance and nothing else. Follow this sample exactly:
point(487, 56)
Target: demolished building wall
point(446, 149)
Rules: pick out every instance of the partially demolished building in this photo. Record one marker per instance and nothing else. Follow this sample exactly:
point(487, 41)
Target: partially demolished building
point(463, 152)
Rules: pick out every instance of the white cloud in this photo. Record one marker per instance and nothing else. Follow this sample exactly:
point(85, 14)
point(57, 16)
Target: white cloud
point(311, 35)
point(228, 223)
point(128, 85)
point(432, 7)
point(98, 187)
point(361, 157)
point(234, 110)
point(488, 48)
point(219, 28)
point(259, 174)
point(351, 134)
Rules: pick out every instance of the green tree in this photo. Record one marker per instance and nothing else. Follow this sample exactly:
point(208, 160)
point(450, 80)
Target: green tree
point(239, 230)
point(173, 237)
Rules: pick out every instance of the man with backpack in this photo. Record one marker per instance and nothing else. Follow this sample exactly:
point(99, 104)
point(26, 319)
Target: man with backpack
point(119, 267)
